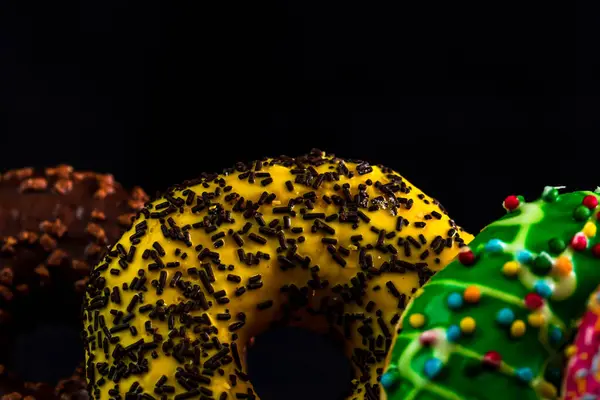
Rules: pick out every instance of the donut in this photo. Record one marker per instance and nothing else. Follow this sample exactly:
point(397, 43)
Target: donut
point(582, 379)
point(491, 323)
point(219, 259)
point(55, 225)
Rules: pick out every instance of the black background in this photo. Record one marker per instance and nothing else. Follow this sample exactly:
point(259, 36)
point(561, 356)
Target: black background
point(470, 102)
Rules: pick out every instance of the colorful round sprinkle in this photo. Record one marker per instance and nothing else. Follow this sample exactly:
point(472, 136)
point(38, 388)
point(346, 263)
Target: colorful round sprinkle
point(494, 246)
point(492, 359)
point(543, 289)
point(533, 301)
point(524, 374)
point(581, 213)
point(454, 301)
point(511, 203)
point(511, 268)
point(518, 328)
point(428, 338)
point(543, 263)
point(453, 333)
point(556, 334)
point(563, 266)
point(416, 320)
point(389, 379)
point(589, 229)
point(535, 319)
point(579, 242)
point(557, 245)
point(570, 351)
point(433, 367)
point(472, 294)
point(467, 325)
point(524, 257)
point(590, 202)
point(505, 316)
point(550, 194)
point(466, 257)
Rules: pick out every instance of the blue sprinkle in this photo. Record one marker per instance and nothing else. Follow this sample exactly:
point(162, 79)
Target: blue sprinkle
point(581, 373)
point(389, 379)
point(589, 396)
point(494, 246)
point(556, 334)
point(432, 367)
point(524, 256)
point(455, 300)
point(595, 362)
point(598, 297)
point(453, 333)
point(505, 316)
point(525, 374)
point(543, 289)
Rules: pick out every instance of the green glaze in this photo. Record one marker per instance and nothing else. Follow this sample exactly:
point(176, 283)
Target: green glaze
point(545, 228)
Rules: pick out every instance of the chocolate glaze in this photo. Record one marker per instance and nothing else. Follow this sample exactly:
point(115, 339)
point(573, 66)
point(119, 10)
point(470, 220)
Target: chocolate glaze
point(55, 224)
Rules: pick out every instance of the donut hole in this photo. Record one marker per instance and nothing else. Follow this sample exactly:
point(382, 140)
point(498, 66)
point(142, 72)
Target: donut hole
point(47, 353)
point(294, 363)
point(44, 342)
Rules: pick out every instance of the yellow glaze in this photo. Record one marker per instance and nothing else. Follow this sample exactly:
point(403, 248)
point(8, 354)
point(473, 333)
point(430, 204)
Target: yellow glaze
point(273, 277)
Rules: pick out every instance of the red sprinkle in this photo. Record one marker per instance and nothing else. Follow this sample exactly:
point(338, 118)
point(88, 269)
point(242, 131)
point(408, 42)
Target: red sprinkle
point(428, 338)
point(533, 301)
point(596, 250)
point(511, 203)
point(590, 202)
point(492, 359)
point(579, 242)
point(466, 257)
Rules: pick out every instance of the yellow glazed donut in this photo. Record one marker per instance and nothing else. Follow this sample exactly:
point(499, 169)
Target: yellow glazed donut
point(308, 240)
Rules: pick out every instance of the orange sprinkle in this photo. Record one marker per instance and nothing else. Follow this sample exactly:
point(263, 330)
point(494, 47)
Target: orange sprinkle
point(563, 266)
point(472, 294)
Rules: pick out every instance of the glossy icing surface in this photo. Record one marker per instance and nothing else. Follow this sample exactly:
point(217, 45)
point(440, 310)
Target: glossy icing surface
point(212, 263)
point(582, 378)
point(489, 325)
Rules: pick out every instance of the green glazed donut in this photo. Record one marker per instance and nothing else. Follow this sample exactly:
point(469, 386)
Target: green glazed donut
point(491, 323)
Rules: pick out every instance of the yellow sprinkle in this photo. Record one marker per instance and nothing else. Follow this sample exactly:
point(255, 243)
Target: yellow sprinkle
point(517, 329)
point(535, 319)
point(472, 294)
point(416, 320)
point(563, 266)
point(467, 325)
point(589, 229)
point(352, 247)
point(511, 268)
point(546, 389)
point(418, 293)
point(570, 351)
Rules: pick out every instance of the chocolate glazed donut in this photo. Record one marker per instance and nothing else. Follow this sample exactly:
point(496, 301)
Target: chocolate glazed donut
point(55, 224)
